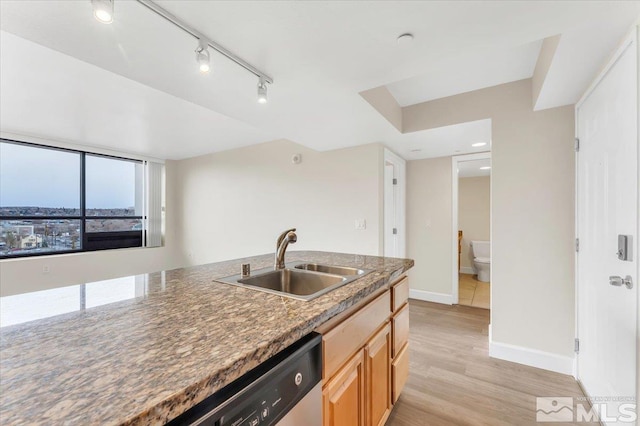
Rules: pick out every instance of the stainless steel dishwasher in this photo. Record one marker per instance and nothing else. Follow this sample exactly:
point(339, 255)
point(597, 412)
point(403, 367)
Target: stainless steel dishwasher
point(285, 390)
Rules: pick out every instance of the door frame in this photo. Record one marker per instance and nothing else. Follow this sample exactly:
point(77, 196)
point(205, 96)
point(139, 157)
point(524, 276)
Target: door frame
point(400, 173)
point(454, 217)
point(633, 36)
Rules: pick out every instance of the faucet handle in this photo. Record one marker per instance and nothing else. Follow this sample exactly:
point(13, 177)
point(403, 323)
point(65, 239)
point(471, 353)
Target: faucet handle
point(283, 235)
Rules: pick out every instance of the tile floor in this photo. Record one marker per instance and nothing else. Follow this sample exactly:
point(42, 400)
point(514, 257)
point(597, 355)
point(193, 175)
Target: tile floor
point(472, 292)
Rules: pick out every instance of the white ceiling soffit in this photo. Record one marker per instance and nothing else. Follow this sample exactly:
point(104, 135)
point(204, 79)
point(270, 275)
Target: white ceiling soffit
point(444, 141)
point(320, 54)
point(467, 169)
point(580, 55)
point(460, 74)
point(72, 100)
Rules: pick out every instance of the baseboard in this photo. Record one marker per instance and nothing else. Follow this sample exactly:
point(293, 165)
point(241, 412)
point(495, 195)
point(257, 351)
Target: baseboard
point(532, 357)
point(429, 296)
point(467, 270)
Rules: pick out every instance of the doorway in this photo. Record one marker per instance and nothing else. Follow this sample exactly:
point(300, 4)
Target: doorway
point(607, 231)
point(471, 220)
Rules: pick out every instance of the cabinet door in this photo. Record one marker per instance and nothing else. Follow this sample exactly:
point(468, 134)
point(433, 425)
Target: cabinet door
point(378, 377)
point(343, 396)
point(400, 330)
point(400, 372)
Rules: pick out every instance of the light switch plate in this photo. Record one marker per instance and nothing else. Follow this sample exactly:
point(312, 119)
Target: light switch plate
point(361, 224)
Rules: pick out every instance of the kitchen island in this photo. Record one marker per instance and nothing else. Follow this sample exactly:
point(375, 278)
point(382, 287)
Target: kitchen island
point(178, 339)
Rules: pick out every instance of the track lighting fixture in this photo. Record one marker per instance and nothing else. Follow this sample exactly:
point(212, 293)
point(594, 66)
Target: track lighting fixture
point(262, 91)
point(202, 56)
point(103, 10)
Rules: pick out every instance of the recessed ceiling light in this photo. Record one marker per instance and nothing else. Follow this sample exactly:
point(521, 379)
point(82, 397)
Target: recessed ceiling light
point(485, 168)
point(416, 150)
point(477, 144)
point(405, 39)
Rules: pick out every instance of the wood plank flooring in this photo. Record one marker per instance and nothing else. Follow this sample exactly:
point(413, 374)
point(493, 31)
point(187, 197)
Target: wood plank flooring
point(472, 292)
point(452, 380)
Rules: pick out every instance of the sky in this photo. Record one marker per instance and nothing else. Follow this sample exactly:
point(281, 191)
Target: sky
point(31, 176)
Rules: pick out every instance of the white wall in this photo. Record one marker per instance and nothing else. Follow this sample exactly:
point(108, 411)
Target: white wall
point(533, 213)
point(429, 225)
point(235, 203)
point(474, 215)
point(26, 274)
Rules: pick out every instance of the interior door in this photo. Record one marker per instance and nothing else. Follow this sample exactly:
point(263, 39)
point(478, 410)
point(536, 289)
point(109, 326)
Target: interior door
point(390, 202)
point(394, 207)
point(607, 206)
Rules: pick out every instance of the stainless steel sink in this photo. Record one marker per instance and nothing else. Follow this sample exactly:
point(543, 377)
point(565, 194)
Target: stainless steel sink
point(330, 269)
point(297, 283)
point(293, 281)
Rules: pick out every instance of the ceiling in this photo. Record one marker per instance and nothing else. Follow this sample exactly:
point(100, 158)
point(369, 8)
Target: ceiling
point(133, 85)
point(447, 141)
point(459, 74)
point(467, 169)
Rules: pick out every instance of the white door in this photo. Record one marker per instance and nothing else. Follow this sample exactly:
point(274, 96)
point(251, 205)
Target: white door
point(390, 200)
point(607, 206)
point(394, 207)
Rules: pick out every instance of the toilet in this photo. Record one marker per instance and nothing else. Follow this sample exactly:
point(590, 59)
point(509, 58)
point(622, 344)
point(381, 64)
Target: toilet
point(482, 259)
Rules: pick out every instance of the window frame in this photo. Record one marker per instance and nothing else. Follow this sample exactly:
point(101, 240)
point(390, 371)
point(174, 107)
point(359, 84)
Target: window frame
point(82, 217)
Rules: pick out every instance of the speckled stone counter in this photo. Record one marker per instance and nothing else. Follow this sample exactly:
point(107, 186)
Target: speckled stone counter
point(178, 338)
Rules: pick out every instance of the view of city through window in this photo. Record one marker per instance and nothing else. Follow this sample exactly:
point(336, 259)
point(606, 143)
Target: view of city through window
point(53, 200)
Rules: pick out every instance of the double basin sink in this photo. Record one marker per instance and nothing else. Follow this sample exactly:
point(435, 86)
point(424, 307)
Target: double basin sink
point(299, 280)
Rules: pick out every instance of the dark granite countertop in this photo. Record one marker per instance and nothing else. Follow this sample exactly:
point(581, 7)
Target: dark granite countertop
point(162, 342)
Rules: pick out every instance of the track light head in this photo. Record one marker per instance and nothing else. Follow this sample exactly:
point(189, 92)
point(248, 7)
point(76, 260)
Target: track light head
point(103, 10)
point(262, 91)
point(202, 56)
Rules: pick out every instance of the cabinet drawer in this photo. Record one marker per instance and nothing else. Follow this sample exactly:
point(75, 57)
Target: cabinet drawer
point(399, 373)
point(400, 330)
point(346, 338)
point(399, 294)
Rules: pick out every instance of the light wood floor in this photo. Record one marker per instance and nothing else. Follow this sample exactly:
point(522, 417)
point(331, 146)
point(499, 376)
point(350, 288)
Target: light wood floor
point(452, 380)
point(472, 292)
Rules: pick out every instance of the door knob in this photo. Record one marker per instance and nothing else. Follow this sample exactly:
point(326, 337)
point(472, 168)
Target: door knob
point(617, 281)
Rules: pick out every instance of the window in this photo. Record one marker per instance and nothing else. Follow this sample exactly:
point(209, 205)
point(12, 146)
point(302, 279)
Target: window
point(59, 201)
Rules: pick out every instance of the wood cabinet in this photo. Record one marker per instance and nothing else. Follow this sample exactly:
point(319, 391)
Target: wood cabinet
point(400, 372)
point(343, 395)
point(365, 359)
point(351, 334)
point(399, 294)
point(400, 324)
point(400, 338)
point(378, 377)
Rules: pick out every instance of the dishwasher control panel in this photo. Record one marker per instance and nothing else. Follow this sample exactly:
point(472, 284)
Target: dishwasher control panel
point(272, 401)
point(265, 394)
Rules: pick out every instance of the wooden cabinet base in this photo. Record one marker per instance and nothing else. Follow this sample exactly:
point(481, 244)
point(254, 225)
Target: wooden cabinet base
point(342, 397)
point(400, 372)
point(365, 359)
point(377, 377)
point(400, 330)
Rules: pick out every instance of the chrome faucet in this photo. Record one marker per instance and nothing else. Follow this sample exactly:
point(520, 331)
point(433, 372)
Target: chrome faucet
point(287, 237)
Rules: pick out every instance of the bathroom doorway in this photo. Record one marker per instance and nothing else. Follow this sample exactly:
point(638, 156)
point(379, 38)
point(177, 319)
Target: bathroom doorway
point(471, 183)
